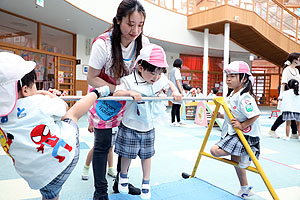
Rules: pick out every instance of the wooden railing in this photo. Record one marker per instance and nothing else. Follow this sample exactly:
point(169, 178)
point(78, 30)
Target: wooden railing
point(273, 12)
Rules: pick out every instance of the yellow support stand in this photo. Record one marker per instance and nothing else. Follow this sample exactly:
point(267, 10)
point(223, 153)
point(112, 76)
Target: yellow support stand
point(219, 101)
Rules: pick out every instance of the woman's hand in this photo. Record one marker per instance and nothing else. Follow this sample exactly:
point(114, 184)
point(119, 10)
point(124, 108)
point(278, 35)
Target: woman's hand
point(177, 96)
point(219, 115)
point(91, 128)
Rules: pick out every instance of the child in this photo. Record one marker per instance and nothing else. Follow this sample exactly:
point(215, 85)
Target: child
point(136, 132)
point(44, 151)
point(241, 102)
point(199, 93)
point(290, 107)
point(213, 93)
point(110, 157)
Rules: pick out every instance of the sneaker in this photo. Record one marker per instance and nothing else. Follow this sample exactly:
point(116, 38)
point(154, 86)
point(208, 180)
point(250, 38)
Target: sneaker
point(146, 192)
point(110, 172)
point(123, 185)
point(245, 161)
point(286, 138)
point(103, 91)
point(85, 173)
point(175, 124)
point(294, 136)
point(181, 123)
point(246, 193)
point(273, 134)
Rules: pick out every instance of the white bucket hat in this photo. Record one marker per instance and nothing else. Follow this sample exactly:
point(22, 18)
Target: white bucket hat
point(153, 54)
point(12, 69)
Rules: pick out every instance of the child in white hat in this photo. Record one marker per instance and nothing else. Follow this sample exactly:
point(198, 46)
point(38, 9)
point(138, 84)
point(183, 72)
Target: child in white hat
point(136, 132)
point(241, 102)
point(44, 151)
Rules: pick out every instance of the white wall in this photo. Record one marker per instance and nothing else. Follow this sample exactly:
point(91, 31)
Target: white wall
point(81, 54)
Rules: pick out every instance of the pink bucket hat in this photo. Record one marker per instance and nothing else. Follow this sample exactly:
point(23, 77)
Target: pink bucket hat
point(239, 67)
point(153, 54)
point(12, 69)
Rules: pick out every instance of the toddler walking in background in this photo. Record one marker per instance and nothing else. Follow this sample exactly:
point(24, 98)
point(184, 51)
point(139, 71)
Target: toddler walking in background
point(290, 107)
point(241, 102)
point(136, 132)
point(36, 130)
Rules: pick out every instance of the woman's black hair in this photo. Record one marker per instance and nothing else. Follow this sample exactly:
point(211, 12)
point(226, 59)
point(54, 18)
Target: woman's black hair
point(291, 57)
point(126, 8)
point(247, 85)
point(151, 68)
point(294, 84)
point(27, 80)
point(177, 63)
point(186, 86)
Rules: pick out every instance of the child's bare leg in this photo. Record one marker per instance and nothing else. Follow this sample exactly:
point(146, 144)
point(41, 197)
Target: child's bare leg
point(89, 157)
point(81, 107)
point(56, 198)
point(125, 162)
point(110, 158)
point(287, 128)
point(146, 166)
point(298, 127)
point(217, 151)
point(241, 173)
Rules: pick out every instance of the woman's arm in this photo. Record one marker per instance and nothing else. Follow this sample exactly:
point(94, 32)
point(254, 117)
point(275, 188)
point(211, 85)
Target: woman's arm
point(95, 81)
point(177, 96)
point(282, 86)
point(242, 125)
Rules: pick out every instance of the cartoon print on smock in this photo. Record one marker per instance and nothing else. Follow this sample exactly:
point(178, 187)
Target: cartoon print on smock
point(41, 135)
point(6, 142)
point(21, 113)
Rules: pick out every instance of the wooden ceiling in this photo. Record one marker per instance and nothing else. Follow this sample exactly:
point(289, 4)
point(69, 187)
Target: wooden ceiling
point(248, 30)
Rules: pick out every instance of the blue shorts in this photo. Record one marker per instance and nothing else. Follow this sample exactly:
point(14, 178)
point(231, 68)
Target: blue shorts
point(130, 143)
point(52, 190)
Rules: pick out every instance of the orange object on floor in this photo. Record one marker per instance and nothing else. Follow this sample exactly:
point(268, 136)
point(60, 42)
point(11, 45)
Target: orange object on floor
point(274, 113)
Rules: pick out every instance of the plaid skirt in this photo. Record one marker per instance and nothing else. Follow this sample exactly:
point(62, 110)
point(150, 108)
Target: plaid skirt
point(287, 116)
point(132, 143)
point(233, 145)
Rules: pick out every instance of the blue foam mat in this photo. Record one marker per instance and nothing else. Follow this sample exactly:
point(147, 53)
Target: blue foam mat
point(186, 189)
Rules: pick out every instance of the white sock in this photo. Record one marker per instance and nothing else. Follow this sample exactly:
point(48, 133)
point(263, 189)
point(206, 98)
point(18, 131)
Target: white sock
point(244, 187)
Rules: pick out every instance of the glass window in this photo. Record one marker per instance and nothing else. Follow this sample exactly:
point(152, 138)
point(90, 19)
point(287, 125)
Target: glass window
point(57, 41)
point(17, 31)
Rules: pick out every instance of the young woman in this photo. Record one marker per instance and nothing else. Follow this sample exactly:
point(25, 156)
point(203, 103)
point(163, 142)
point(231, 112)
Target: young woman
point(112, 57)
point(289, 72)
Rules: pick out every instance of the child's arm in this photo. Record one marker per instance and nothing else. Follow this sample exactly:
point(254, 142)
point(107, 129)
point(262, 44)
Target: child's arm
point(177, 96)
point(242, 125)
point(135, 95)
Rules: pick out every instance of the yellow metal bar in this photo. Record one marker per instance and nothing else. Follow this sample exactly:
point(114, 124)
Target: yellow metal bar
point(210, 126)
point(251, 154)
point(229, 162)
point(220, 101)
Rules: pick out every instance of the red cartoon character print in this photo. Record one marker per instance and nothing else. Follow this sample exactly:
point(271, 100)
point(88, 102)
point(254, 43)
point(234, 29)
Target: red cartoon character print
point(41, 135)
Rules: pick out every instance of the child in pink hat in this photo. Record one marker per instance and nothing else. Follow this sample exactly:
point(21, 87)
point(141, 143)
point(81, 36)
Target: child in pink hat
point(241, 102)
point(36, 130)
point(136, 132)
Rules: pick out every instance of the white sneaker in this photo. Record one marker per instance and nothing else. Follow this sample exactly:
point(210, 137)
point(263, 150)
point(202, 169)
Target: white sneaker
point(175, 124)
point(123, 185)
point(245, 161)
point(85, 173)
point(294, 136)
point(286, 138)
point(111, 173)
point(181, 123)
point(145, 191)
point(273, 134)
point(246, 193)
